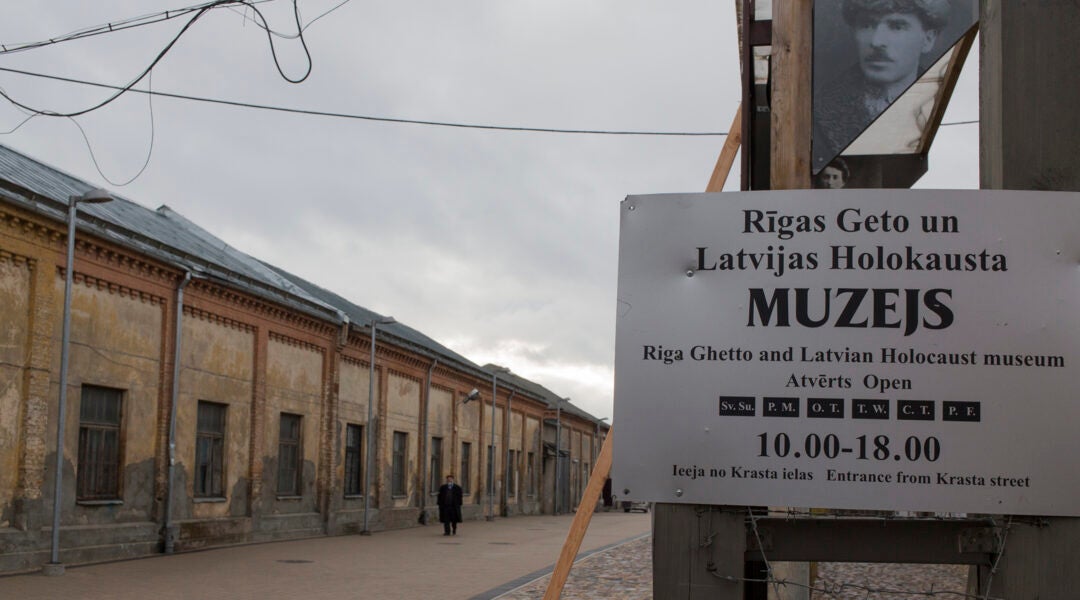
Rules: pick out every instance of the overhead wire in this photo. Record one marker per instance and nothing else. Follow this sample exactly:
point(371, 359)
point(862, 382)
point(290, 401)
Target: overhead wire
point(323, 113)
point(199, 13)
point(114, 26)
point(149, 150)
point(288, 36)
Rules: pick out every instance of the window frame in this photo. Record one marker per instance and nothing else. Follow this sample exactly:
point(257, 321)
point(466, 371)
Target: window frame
point(296, 488)
point(216, 441)
point(464, 478)
point(92, 477)
point(511, 473)
point(436, 466)
point(398, 473)
point(353, 484)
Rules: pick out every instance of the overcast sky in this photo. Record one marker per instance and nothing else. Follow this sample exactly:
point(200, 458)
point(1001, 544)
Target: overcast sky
point(501, 245)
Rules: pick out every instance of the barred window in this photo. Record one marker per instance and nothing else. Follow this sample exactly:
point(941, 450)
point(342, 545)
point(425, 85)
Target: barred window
point(436, 463)
point(98, 476)
point(210, 450)
point(530, 469)
point(401, 443)
point(463, 473)
point(354, 460)
point(289, 453)
point(511, 472)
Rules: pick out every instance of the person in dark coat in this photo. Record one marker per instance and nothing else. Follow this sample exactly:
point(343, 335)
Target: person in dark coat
point(450, 505)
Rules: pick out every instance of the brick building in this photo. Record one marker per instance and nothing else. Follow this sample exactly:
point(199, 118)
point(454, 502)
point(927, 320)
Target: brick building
point(265, 386)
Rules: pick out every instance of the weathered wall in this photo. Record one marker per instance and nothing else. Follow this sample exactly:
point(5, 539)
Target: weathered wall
point(469, 431)
point(403, 412)
point(353, 386)
point(441, 424)
point(115, 343)
point(293, 385)
point(499, 457)
point(15, 278)
point(217, 365)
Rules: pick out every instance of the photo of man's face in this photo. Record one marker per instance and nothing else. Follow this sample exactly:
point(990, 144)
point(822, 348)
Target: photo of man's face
point(890, 47)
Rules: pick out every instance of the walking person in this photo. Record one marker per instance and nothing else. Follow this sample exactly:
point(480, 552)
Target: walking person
point(450, 505)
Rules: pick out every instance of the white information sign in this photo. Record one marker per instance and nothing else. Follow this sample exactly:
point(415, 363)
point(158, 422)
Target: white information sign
point(856, 349)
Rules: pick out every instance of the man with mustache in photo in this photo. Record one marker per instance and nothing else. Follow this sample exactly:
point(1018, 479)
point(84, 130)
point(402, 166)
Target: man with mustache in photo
point(891, 37)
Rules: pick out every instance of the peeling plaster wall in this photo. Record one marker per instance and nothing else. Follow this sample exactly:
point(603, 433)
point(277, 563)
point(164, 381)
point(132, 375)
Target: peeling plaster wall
point(403, 402)
point(14, 336)
point(469, 431)
point(115, 343)
point(217, 365)
point(353, 381)
point(293, 385)
point(441, 424)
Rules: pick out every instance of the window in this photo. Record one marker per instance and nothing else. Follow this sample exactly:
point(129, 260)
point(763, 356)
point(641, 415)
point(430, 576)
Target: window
point(436, 464)
point(210, 450)
point(289, 449)
point(463, 474)
point(401, 442)
point(511, 472)
point(530, 473)
point(99, 444)
point(354, 460)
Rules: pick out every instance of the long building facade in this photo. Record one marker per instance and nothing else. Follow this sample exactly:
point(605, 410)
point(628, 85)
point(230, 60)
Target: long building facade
point(214, 399)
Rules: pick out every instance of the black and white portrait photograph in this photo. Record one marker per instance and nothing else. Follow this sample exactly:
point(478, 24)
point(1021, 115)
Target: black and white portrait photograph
point(869, 52)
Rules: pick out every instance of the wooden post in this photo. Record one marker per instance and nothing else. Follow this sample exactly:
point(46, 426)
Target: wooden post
point(792, 49)
point(581, 521)
point(792, 43)
point(1030, 140)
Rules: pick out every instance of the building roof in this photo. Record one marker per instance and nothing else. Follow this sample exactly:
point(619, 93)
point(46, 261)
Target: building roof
point(169, 237)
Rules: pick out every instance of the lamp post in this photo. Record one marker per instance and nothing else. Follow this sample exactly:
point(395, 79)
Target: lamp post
point(596, 440)
point(373, 324)
point(491, 455)
point(558, 448)
point(95, 196)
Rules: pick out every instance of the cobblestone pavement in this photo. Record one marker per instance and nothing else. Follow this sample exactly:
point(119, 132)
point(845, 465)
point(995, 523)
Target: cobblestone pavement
point(858, 581)
point(625, 572)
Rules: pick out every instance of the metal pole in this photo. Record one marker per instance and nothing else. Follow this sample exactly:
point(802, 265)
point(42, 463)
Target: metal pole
point(55, 566)
point(506, 453)
point(491, 453)
point(370, 434)
point(96, 196)
point(170, 533)
point(558, 450)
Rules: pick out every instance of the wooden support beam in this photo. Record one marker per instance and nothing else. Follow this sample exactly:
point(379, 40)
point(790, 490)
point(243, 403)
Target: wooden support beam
point(727, 154)
point(581, 520)
point(792, 34)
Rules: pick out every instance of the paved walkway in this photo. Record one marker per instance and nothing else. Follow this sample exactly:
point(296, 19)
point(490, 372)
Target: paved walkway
point(484, 560)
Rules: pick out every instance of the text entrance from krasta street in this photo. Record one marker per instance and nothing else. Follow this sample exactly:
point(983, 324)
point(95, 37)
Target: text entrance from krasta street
point(863, 349)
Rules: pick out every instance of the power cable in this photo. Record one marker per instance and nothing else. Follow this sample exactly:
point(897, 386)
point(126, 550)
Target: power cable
point(288, 36)
point(114, 26)
point(198, 14)
point(321, 113)
point(149, 151)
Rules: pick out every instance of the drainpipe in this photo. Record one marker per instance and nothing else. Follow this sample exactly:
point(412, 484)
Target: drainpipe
point(506, 461)
point(424, 444)
point(170, 533)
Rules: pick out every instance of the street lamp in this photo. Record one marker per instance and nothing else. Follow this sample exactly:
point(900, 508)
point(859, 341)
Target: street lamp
point(491, 455)
point(596, 439)
point(558, 447)
point(373, 324)
point(95, 196)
